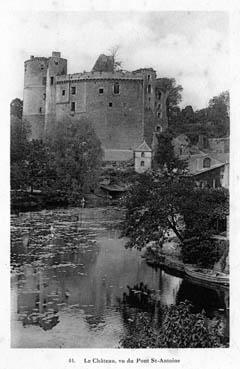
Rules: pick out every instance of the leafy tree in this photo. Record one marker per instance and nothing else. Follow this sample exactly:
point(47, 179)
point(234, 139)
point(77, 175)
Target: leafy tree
point(180, 328)
point(164, 157)
point(16, 108)
point(212, 121)
point(19, 132)
point(38, 166)
point(77, 156)
point(170, 94)
point(202, 210)
point(154, 206)
point(161, 202)
point(204, 253)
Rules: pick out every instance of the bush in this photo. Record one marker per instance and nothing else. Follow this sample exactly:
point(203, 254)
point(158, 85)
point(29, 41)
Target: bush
point(180, 328)
point(203, 253)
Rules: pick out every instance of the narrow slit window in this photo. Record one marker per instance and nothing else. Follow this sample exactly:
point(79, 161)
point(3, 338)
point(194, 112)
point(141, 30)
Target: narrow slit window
point(73, 106)
point(63, 92)
point(116, 88)
point(149, 89)
point(40, 110)
point(52, 80)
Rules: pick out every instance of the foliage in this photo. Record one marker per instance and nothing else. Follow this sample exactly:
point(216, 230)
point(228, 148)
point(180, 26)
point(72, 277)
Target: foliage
point(18, 151)
point(180, 328)
point(163, 202)
point(16, 108)
point(170, 97)
point(212, 121)
point(202, 209)
point(154, 207)
point(39, 172)
point(164, 157)
point(204, 253)
point(77, 157)
point(19, 132)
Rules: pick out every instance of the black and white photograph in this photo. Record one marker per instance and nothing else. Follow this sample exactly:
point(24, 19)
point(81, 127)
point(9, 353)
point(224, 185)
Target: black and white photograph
point(119, 170)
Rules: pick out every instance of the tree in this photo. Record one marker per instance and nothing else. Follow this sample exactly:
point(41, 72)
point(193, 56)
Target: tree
point(77, 156)
point(162, 202)
point(164, 157)
point(16, 108)
point(19, 132)
point(39, 167)
point(170, 94)
point(180, 328)
point(154, 207)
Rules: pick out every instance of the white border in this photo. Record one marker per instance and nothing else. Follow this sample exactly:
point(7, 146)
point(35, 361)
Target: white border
point(54, 358)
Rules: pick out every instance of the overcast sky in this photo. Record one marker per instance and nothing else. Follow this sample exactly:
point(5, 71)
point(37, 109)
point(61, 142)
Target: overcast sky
point(192, 47)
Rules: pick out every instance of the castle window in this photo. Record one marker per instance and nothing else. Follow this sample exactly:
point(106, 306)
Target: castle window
point(158, 114)
point(51, 81)
point(56, 62)
point(116, 88)
point(44, 80)
point(63, 92)
point(148, 77)
point(142, 154)
point(40, 110)
point(73, 106)
point(207, 163)
point(149, 89)
point(142, 163)
point(100, 90)
point(159, 95)
point(73, 90)
point(158, 129)
point(44, 96)
point(42, 67)
point(110, 104)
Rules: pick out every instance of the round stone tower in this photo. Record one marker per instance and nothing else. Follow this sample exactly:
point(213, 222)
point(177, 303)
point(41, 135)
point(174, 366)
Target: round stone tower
point(34, 94)
point(57, 66)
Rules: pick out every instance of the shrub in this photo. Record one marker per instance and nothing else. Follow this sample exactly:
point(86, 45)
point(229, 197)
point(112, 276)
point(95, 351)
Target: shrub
point(203, 253)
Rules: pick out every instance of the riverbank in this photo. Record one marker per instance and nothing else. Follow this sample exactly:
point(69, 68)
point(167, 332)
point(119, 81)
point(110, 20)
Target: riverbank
point(25, 201)
point(172, 263)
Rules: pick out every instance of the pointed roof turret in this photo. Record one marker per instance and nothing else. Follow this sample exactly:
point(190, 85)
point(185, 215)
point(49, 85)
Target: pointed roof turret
point(143, 147)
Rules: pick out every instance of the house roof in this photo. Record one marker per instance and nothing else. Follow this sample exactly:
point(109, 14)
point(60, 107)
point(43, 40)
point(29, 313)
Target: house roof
point(143, 147)
point(222, 157)
point(203, 170)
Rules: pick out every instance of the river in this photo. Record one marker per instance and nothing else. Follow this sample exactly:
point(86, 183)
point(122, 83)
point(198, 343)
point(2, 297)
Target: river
point(69, 272)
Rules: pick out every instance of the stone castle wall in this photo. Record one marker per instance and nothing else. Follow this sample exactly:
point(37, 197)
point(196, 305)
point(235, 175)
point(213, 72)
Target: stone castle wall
point(121, 117)
point(116, 118)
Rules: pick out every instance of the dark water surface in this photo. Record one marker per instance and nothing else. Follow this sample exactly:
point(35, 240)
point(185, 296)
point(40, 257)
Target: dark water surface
point(69, 272)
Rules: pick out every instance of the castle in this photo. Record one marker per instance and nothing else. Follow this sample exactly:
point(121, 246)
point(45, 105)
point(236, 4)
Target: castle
point(124, 108)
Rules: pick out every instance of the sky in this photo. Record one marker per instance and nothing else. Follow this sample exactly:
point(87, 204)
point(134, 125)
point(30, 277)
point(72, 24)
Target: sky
point(192, 47)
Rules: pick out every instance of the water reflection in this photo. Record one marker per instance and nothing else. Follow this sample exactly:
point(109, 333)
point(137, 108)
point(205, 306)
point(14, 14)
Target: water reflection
point(69, 271)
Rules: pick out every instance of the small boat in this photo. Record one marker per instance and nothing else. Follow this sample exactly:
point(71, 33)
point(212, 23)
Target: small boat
point(207, 275)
